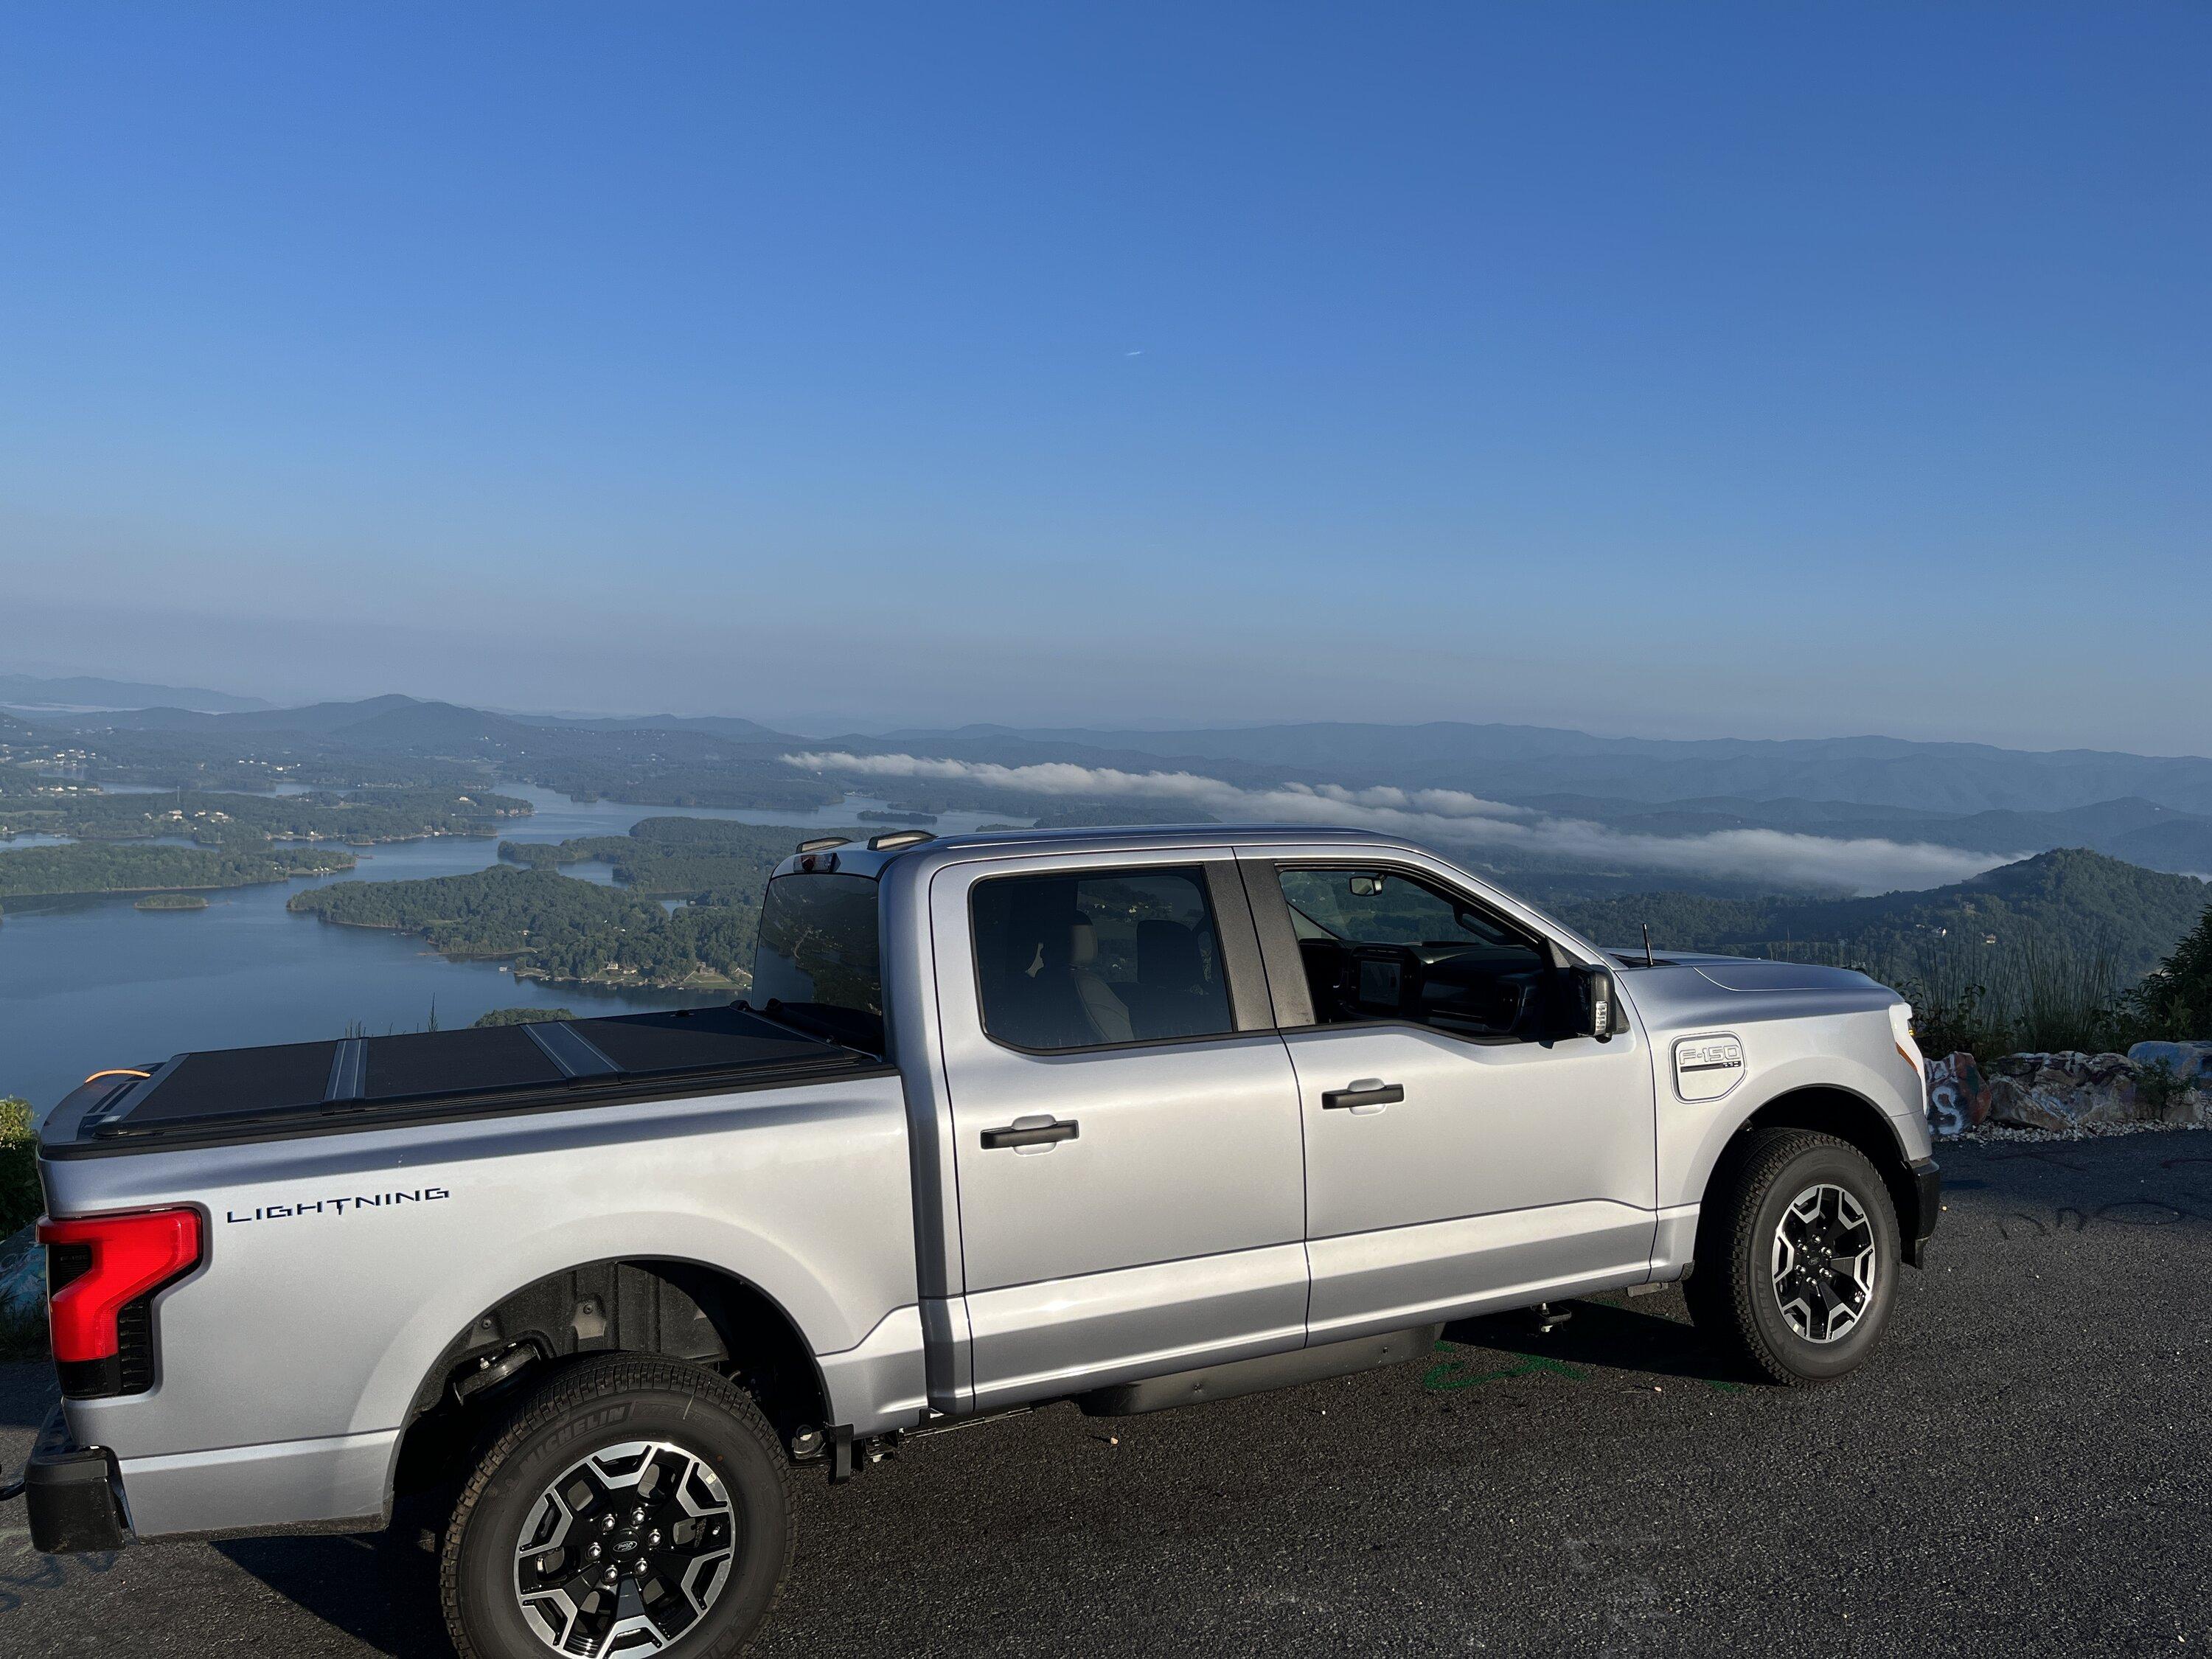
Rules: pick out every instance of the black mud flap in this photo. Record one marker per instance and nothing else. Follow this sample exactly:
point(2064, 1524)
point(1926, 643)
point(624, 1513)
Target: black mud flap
point(71, 1494)
point(1928, 1205)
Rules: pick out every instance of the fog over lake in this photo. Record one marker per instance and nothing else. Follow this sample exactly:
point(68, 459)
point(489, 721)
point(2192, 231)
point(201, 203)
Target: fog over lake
point(88, 981)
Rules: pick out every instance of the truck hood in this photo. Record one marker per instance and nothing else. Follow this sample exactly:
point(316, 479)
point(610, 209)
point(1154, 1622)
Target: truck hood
point(1752, 973)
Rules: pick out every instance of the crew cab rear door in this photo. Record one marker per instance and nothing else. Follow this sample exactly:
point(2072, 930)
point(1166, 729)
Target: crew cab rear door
point(1459, 1153)
point(1125, 1119)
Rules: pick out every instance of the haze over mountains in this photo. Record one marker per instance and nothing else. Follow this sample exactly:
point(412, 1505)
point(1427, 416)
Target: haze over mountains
point(86, 691)
point(1984, 804)
point(1520, 761)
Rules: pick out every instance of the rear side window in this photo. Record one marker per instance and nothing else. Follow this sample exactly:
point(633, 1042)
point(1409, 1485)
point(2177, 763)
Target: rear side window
point(1105, 957)
point(820, 955)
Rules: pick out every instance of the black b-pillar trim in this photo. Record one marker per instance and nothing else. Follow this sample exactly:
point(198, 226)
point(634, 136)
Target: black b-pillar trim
point(1278, 942)
point(1240, 947)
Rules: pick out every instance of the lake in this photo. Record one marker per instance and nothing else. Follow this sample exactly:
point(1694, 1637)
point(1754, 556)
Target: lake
point(88, 983)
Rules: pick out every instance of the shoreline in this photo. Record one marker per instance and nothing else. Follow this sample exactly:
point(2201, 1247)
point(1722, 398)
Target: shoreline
point(703, 982)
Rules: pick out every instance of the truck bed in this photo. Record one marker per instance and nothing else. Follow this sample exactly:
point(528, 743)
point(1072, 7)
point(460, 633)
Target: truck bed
point(298, 1088)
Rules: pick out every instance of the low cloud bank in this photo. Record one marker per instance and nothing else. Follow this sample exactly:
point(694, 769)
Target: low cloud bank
point(1451, 817)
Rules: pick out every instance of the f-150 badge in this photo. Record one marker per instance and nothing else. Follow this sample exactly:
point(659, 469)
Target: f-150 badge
point(1707, 1067)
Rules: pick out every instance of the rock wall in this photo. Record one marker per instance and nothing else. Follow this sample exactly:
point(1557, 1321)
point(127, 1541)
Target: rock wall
point(2162, 1083)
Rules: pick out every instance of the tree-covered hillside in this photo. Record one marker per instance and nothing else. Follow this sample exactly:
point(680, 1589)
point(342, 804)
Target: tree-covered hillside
point(2070, 904)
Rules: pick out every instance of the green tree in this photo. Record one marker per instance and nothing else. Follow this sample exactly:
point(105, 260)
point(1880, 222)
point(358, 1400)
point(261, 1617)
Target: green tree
point(2174, 1000)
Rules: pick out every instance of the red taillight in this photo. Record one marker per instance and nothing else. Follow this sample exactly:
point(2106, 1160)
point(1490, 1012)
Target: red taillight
point(131, 1254)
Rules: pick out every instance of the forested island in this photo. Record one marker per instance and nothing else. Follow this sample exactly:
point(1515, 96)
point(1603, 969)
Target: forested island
point(556, 928)
point(224, 818)
point(171, 902)
point(552, 927)
point(703, 861)
point(40, 872)
point(238, 839)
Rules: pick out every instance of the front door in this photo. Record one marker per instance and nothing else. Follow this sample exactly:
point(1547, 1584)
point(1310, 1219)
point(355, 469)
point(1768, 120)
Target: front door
point(1458, 1154)
point(1126, 1121)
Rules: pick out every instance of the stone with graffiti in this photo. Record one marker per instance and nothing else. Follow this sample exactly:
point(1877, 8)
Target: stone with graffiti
point(2154, 1083)
point(1958, 1098)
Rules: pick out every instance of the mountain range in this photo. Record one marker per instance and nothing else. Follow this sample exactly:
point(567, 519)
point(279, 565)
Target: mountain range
point(85, 691)
point(2152, 810)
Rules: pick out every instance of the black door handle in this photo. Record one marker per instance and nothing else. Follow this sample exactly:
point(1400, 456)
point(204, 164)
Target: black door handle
point(1385, 1094)
point(1041, 1134)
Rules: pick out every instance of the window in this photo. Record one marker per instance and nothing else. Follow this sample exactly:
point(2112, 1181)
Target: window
point(1078, 961)
point(819, 955)
point(1381, 944)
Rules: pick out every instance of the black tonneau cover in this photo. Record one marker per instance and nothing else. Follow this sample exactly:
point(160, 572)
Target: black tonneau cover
point(300, 1086)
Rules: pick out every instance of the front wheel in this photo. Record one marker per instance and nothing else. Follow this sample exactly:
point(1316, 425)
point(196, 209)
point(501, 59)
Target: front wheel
point(631, 1507)
point(1797, 1257)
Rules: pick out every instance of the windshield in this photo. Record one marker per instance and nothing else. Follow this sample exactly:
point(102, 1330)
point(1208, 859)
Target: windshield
point(818, 957)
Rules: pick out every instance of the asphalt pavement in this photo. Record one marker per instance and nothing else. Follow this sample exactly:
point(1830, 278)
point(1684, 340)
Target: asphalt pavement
point(2026, 1465)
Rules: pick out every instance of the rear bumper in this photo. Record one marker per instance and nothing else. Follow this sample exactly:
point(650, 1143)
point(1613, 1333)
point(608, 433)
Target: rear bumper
point(1928, 1205)
point(75, 1499)
point(76, 1494)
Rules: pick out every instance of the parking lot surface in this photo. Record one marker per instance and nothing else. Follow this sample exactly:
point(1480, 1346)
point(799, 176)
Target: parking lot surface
point(2027, 1465)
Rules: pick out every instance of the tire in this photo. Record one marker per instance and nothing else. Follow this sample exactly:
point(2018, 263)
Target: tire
point(1835, 1270)
point(620, 1435)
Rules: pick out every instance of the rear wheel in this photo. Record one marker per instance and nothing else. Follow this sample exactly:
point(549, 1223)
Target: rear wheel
point(631, 1506)
point(1797, 1257)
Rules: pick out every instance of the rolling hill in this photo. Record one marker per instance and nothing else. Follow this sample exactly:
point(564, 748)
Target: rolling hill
point(2069, 903)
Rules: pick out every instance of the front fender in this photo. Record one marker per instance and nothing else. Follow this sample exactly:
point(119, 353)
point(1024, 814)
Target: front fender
point(1693, 1135)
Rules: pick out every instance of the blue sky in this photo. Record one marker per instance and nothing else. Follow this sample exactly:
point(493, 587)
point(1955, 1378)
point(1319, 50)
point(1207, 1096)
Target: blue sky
point(1676, 370)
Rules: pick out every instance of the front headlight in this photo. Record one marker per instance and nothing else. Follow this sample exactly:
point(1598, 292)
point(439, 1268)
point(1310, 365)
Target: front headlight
point(1900, 1027)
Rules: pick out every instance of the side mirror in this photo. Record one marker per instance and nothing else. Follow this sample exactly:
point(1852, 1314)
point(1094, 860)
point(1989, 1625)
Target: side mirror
point(1593, 1009)
point(1365, 886)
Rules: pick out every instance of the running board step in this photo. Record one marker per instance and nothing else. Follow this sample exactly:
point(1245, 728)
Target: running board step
point(1273, 1371)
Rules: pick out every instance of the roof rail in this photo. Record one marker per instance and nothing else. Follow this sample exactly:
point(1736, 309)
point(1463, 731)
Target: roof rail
point(893, 839)
point(822, 843)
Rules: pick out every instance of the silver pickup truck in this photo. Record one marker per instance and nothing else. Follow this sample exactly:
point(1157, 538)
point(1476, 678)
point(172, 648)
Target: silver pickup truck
point(1132, 1119)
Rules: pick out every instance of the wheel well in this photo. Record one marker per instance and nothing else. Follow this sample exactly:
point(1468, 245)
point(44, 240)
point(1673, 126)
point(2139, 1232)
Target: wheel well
point(1847, 1116)
point(678, 1309)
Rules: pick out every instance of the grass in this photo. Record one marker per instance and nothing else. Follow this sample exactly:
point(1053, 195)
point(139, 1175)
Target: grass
point(2027, 1001)
point(20, 1199)
point(2024, 1000)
